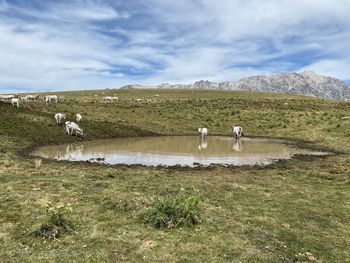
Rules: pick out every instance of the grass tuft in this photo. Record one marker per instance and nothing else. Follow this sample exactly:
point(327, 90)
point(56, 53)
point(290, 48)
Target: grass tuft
point(55, 223)
point(172, 212)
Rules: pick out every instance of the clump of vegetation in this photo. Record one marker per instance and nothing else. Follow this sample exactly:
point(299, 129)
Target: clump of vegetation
point(171, 212)
point(55, 222)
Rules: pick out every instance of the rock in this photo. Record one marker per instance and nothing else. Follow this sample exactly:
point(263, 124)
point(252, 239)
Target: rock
point(285, 225)
point(311, 258)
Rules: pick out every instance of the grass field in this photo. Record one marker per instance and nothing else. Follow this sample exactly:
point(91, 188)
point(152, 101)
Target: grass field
point(295, 211)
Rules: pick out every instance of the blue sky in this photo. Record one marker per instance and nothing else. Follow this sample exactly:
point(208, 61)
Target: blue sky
point(94, 44)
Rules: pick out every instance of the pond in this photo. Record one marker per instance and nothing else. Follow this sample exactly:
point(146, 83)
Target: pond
point(175, 150)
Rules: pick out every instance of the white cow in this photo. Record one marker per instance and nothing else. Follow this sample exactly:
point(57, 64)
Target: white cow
point(60, 99)
point(68, 127)
point(203, 132)
point(59, 117)
point(15, 102)
point(50, 98)
point(79, 117)
point(115, 98)
point(6, 98)
point(237, 131)
point(29, 98)
point(110, 99)
point(73, 129)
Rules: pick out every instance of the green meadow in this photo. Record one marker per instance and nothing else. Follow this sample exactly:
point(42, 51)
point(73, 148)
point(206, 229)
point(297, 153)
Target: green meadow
point(297, 210)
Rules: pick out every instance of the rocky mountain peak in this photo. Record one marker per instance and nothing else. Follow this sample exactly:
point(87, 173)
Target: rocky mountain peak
point(307, 83)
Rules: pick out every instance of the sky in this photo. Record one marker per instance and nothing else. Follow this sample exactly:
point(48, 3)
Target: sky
point(95, 44)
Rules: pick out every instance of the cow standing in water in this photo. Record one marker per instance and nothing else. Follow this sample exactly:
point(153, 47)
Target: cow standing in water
point(203, 132)
point(237, 132)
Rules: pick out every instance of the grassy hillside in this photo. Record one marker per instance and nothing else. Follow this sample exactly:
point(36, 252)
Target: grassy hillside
point(295, 211)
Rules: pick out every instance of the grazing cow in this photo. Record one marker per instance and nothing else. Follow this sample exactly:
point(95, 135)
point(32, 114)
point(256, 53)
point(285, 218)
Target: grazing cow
point(15, 102)
point(60, 99)
point(203, 132)
point(237, 131)
point(79, 117)
point(115, 98)
point(28, 98)
point(50, 98)
point(110, 99)
point(59, 117)
point(6, 98)
point(73, 129)
point(67, 123)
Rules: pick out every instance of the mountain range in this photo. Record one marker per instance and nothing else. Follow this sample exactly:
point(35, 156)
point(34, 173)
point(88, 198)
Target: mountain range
point(306, 83)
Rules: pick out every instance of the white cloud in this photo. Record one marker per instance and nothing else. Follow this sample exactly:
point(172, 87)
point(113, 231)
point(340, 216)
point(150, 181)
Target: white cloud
point(84, 10)
point(338, 68)
point(96, 44)
point(275, 35)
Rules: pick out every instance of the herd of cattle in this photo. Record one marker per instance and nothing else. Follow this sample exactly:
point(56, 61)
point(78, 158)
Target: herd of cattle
point(15, 100)
point(73, 129)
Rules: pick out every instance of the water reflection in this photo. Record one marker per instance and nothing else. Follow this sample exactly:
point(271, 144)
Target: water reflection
point(173, 150)
point(237, 145)
point(203, 144)
point(74, 150)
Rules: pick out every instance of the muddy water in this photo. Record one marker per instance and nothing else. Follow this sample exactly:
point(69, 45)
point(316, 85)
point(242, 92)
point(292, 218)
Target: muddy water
point(174, 150)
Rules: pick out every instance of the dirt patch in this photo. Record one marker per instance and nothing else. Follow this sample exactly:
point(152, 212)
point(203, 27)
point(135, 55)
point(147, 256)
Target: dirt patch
point(148, 244)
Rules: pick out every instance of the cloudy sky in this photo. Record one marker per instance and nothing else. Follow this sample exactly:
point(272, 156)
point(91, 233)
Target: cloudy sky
point(93, 44)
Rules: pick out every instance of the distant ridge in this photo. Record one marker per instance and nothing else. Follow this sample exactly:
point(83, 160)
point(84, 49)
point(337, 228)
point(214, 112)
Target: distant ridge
point(306, 83)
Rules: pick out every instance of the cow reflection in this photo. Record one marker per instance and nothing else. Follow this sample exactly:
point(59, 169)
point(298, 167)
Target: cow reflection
point(64, 152)
point(202, 143)
point(60, 155)
point(237, 145)
point(73, 150)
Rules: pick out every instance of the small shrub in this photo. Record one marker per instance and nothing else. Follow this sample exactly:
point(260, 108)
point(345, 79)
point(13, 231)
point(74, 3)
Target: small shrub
point(111, 175)
point(55, 222)
point(171, 212)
